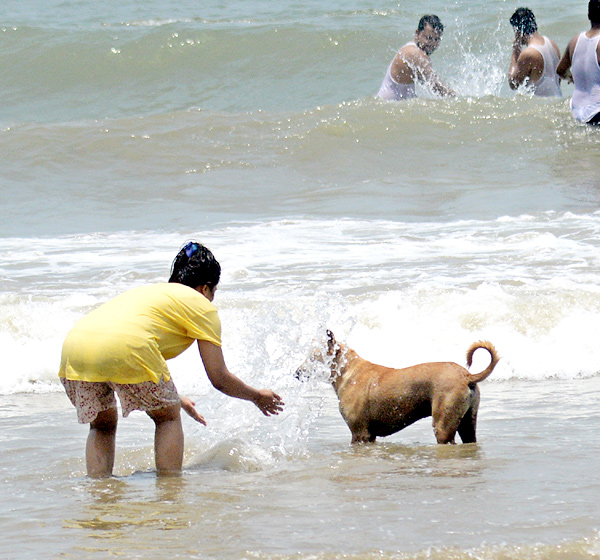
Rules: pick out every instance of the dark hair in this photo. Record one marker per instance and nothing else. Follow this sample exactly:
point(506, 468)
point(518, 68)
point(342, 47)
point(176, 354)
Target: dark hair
point(432, 20)
point(195, 266)
point(523, 20)
point(594, 11)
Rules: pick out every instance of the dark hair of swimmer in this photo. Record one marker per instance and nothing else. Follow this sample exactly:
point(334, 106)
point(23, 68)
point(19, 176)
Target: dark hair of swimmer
point(432, 20)
point(523, 21)
point(594, 12)
point(195, 266)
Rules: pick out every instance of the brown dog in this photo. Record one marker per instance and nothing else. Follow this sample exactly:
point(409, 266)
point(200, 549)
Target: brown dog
point(379, 401)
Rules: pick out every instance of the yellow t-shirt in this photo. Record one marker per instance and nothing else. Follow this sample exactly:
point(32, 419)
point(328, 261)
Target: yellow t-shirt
point(129, 338)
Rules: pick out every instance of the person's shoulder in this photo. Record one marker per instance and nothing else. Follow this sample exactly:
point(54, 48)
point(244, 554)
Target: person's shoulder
point(174, 289)
point(173, 286)
point(530, 54)
point(572, 45)
point(576, 37)
point(410, 47)
point(183, 296)
point(553, 43)
point(162, 288)
point(411, 53)
point(573, 42)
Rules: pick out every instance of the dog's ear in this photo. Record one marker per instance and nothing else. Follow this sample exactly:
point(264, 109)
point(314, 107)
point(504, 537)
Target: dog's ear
point(330, 342)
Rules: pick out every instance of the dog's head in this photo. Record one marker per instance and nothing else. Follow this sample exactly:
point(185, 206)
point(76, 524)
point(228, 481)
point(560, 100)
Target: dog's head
point(327, 357)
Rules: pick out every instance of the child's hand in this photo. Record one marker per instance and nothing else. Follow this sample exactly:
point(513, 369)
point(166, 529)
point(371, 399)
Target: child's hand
point(189, 406)
point(268, 402)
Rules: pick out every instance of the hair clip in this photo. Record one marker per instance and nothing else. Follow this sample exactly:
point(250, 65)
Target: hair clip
point(191, 248)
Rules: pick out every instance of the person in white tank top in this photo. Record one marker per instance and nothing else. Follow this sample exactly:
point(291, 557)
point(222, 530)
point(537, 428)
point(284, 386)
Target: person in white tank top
point(412, 64)
point(534, 57)
point(390, 89)
point(580, 64)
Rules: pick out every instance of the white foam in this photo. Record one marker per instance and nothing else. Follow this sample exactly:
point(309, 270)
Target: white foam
point(400, 293)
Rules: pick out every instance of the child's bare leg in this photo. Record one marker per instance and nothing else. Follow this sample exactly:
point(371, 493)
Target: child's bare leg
point(100, 447)
point(168, 439)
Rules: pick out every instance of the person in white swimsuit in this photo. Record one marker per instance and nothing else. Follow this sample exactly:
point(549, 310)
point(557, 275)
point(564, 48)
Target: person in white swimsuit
point(412, 64)
point(534, 57)
point(580, 64)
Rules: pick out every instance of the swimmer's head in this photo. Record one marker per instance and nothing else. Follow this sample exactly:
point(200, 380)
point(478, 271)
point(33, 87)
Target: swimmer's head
point(432, 20)
point(594, 12)
point(523, 22)
point(195, 266)
point(429, 33)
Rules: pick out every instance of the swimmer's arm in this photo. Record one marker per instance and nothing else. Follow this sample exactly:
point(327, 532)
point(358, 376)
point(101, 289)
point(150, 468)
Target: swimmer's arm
point(514, 58)
point(425, 74)
point(564, 66)
point(522, 65)
point(440, 88)
point(223, 380)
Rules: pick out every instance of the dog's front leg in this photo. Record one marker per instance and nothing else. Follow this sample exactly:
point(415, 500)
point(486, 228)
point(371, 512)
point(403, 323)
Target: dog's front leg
point(362, 438)
point(361, 434)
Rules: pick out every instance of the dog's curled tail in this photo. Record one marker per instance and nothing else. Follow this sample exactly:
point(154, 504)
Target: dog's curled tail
point(477, 377)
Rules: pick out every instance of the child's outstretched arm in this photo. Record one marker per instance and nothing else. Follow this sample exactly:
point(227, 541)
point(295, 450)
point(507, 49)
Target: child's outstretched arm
point(223, 380)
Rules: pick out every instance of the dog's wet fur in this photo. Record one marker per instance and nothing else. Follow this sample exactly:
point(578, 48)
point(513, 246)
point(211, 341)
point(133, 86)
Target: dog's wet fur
point(377, 401)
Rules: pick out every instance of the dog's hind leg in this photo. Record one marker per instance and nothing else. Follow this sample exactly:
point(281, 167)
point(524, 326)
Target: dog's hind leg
point(444, 428)
point(448, 412)
point(444, 433)
point(468, 425)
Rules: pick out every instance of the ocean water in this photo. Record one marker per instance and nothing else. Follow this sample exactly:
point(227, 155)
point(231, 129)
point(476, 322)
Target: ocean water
point(409, 229)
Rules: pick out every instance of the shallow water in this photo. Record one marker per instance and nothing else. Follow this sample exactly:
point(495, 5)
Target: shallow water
point(531, 481)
